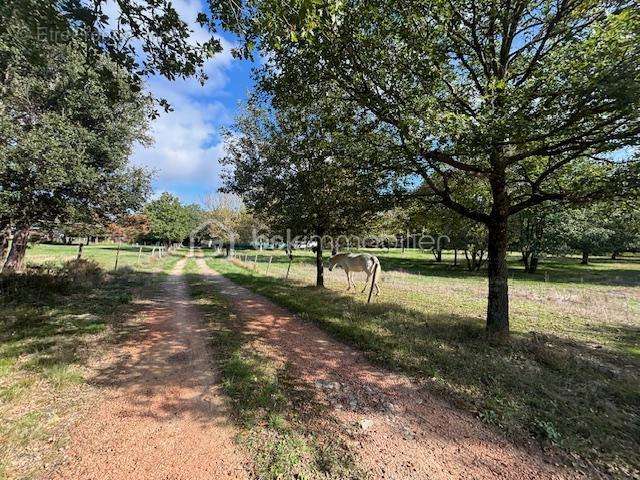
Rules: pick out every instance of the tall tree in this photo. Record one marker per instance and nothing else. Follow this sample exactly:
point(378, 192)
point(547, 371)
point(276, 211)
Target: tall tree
point(66, 132)
point(531, 101)
point(170, 221)
point(302, 172)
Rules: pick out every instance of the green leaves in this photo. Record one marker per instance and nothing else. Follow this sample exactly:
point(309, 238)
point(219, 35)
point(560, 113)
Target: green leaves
point(304, 168)
point(145, 38)
point(170, 221)
point(67, 131)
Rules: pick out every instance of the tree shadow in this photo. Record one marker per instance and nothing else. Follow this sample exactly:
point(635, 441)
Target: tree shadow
point(48, 320)
point(583, 397)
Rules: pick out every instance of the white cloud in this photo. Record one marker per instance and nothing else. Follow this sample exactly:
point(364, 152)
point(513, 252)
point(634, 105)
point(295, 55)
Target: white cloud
point(187, 144)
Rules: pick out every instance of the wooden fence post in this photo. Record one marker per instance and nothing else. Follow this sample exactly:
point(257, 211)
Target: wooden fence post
point(269, 265)
point(117, 256)
point(80, 246)
point(289, 267)
point(373, 281)
point(139, 254)
point(255, 262)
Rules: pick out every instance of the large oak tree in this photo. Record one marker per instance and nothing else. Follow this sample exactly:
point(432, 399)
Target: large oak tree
point(67, 129)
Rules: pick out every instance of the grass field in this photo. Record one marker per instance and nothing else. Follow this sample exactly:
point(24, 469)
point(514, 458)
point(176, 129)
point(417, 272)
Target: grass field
point(103, 253)
point(54, 328)
point(569, 376)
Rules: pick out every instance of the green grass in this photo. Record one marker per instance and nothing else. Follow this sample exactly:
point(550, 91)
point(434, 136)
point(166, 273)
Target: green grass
point(601, 271)
point(568, 376)
point(53, 322)
point(102, 253)
point(289, 435)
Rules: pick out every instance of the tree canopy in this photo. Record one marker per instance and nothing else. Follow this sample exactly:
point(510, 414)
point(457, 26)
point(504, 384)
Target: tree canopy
point(144, 38)
point(67, 129)
point(170, 221)
point(304, 176)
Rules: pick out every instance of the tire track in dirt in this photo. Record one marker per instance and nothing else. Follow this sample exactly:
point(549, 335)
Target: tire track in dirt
point(162, 414)
point(398, 430)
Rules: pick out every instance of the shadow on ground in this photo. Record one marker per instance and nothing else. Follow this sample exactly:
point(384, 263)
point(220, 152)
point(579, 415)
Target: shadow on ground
point(580, 397)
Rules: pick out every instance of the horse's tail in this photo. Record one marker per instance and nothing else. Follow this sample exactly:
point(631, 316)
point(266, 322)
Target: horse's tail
point(378, 269)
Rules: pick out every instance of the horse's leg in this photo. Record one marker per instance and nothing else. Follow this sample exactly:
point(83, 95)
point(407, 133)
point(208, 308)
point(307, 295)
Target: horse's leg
point(353, 282)
point(366, 283)
point(348, 279)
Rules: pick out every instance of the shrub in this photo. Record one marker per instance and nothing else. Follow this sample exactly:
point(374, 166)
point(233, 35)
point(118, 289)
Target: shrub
point(40, 281)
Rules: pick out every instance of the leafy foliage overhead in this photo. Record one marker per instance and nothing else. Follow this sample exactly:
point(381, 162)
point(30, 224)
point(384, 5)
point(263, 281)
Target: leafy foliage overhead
point(66, 132)
point(143, 37)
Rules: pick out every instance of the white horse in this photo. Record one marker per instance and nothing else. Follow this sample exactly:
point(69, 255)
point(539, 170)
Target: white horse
point(357, 262)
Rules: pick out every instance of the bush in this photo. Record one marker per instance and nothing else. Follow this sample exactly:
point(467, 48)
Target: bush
point(83, 271)
point(40, 281)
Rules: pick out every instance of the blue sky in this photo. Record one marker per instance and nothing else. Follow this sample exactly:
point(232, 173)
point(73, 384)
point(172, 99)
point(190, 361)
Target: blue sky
point(187, 141)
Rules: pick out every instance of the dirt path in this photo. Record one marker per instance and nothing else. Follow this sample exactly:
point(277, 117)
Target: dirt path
point(162, 415)
point(398, 430)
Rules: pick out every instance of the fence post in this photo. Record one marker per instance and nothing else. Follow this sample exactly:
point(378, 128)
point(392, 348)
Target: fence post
point(289, 267)
point(139, 254)
point(80, 246)
point(269, 265)
point(117, 256)
point(373, 281)
point(255, 262)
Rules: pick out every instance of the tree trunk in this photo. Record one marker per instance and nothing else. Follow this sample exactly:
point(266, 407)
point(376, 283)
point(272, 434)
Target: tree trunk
point(614, 255)
point(466, 255)
point(533, 264)
point(585, 258)
point(319, 265)
point(498, 299)
point(438, 256)
point(480, 260)
point(525, 260)
point(455, 257)
point(15, 260)
point(4, 242)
